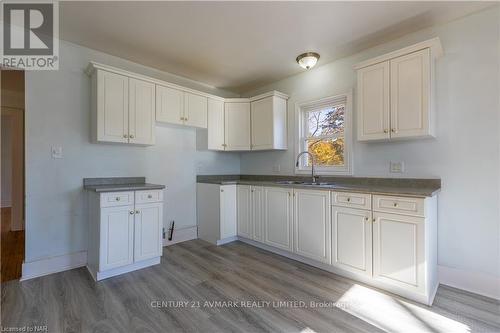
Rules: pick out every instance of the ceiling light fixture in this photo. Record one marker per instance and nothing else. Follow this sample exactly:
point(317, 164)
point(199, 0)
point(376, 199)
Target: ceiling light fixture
point(307, 60)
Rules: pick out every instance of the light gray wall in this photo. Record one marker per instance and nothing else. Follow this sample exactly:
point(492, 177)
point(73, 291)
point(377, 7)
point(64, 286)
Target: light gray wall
point(58, 113)
point(465, 154)
point(6, 141)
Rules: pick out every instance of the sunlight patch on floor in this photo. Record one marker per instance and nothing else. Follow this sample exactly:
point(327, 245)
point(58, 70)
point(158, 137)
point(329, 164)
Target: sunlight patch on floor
point(395, 315)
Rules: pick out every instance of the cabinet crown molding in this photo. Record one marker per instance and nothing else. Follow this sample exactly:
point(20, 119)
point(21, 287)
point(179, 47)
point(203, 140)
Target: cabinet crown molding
point(434, 44)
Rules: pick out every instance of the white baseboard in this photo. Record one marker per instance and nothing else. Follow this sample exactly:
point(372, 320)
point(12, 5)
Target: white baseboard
point(227, 240)
point(53, 265)
point(181, 235)
point(478, 283)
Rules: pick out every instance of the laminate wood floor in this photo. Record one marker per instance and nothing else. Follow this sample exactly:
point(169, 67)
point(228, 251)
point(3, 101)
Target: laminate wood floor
point(12, 249)
point(201, 275)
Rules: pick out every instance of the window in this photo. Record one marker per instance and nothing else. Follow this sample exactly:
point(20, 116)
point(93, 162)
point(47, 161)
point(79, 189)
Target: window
point(324, 131)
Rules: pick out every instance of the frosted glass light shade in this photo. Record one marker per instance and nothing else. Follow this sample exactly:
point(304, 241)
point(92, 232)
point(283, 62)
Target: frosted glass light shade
point(307, 60)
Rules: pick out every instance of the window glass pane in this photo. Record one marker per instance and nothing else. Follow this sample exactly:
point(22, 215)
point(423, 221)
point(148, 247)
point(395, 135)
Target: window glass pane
point(324, 122)
point(326, 152)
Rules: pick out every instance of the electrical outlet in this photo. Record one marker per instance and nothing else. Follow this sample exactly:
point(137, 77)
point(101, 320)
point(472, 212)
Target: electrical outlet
point(56, 152)
point(397, 167)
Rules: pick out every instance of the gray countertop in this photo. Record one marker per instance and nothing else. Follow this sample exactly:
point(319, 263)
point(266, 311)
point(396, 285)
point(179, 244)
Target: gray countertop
point(116, 184)
point(410, 187)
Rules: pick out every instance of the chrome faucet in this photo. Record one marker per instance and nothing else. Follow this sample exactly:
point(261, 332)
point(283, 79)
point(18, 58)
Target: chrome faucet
point(312, 164)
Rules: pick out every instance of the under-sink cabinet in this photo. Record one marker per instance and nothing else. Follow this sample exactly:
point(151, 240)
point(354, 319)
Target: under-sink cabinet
point(125, 231)
point(385, 241)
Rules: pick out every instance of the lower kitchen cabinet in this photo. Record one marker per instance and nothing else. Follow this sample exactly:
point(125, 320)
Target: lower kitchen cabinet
point(312, 224)
point(116, 242)
point(216, 207)
point(352, 240)
point(257, 212)
point(125, 231)
point(399, 250)
point(244, 217)
point(278, 217)
point(148, 230)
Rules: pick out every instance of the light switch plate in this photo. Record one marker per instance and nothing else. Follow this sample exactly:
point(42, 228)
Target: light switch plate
point(56, 152)
point(397, 167)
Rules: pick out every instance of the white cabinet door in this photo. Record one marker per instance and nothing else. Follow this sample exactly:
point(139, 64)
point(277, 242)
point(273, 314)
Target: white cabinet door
point(148, 231)
point(262, 124)
point(312, 224)
point(257, 213)
point(410, 87)
point(237, 126)
point(373, 102)
point(112, 107)
point(278, 212)
point(116, 246)
point(269, 123)
point(169, 105)
point(215, 124)
point(244, 218)
point(141, 112)
point(352, 240)
point(398, 250)
point(228, 211)
point(195, 110)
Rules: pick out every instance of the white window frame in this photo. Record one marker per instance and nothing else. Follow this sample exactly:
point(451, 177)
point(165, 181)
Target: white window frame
point(300, 135)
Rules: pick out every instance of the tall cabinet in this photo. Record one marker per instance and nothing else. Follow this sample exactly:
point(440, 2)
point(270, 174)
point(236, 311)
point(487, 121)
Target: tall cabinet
point(395, 94)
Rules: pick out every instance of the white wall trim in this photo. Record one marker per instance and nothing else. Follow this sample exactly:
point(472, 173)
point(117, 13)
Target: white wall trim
point(478, 283)
point(181, 235)
point(53, 265)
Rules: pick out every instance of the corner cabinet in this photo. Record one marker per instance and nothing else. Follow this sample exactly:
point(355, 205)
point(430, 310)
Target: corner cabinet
point(125, 232)
point(247, 124)
point(395, 94)
point(123, 109)
point(179, 107)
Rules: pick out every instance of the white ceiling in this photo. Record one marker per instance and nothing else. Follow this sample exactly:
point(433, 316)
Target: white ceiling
point(239, 46)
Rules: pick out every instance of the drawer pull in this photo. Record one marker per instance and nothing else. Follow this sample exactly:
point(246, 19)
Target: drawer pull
point(150, 196)
point(131, 212)
point(348, 199)
point(366, 219)
point(395, 204)
point(117, 198)
point(137, 211)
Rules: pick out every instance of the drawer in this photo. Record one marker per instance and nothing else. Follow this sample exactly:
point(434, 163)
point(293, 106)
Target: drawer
point(352, 200)
point(148, 196)
point(112, 199)
point(398, 205)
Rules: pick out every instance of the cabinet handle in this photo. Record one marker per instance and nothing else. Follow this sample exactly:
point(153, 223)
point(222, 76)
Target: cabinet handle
point(373, 220)
point(131, 136)
point(137, 211)
point(394, 130)
point(222, 190)
point(395, 204)
point(224, 145)
point(386, 131)
point(125, 136)
point(366, 219)
point(117, 198)
point(186, 119)
point(348, 199)
point(150, 196)
point(131, 212)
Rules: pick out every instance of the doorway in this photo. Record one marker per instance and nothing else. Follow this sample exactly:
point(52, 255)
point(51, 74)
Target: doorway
point(12, 174)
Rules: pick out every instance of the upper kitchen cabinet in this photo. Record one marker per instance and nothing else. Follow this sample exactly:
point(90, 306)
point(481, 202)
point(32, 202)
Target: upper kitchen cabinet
point(269, 121)
point(215, 123)
point(237, 125)
point(396, 92)
point(123, 108)
point(169, 105)
point(175, 106)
